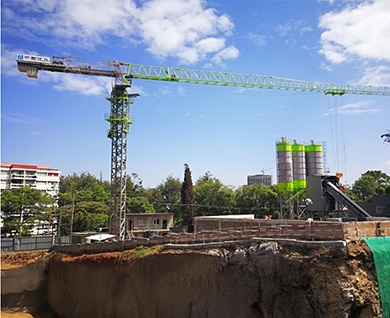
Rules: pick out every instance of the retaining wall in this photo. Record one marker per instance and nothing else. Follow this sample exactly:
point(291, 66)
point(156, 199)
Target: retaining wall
point(250, 229)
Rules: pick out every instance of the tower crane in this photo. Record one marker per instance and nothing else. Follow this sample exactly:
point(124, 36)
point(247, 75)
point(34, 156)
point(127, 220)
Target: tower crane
point(120, 100)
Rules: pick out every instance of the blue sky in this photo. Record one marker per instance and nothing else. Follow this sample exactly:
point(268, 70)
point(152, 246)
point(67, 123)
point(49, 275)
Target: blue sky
point(58, 119)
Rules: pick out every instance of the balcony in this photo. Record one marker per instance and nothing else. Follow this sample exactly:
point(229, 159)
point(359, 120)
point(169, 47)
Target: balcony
point(17, 176)
point(16, 185)
point(30, 176)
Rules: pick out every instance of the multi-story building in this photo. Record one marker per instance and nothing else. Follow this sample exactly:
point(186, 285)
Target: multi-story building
point(260, 179)
point(16, 175)
point(46, 179)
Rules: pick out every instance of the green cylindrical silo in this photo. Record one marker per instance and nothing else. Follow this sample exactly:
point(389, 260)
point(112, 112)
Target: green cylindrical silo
point(284, 166)
point(299, 166)
point(314, 159)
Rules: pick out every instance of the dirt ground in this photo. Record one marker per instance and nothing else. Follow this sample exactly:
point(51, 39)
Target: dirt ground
point(15, 259)
point(12, 314)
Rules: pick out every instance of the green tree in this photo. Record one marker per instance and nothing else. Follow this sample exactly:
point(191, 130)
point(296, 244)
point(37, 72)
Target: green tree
point(212, 197)
point(134, 187)
point(83, 202)
point(88, 216)
point(349, 193)
point(139, 205)
point(371, 183)
point(166, 198)
point(187, 198)
point(80, 182)
point(154, 197)
point(21, 207)
point(257, 199)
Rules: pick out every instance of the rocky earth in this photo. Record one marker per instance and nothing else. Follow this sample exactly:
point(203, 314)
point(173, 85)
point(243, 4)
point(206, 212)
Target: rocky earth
point(251, 279)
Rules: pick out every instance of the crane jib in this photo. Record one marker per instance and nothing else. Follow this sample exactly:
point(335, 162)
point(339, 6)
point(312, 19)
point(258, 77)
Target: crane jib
point(125, 72)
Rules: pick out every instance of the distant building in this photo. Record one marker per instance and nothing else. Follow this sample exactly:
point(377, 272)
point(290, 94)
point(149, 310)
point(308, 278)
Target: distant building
point(260, 179)
point(16, 175)
point(148, 224)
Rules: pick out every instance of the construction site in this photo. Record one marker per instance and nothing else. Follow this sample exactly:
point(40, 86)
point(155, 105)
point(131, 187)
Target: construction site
point(325, 257)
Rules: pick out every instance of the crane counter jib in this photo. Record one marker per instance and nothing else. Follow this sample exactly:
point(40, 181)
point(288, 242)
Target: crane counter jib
point(125, 72)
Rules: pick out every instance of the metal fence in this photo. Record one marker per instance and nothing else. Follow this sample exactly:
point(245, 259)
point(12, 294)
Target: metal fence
point(19, 244)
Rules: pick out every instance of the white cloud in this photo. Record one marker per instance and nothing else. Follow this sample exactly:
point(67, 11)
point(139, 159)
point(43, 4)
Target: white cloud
point(283, 29)
point(289, 28)
point(360, 31)
point(211, 44)
point(20, 119)
point(180, 90)
point(165, 90)
point(83, 85)
point(376, 76)
point(353, 109)
point(36, 133)
point(230, 52)
point(183, 29)
point(258, 39)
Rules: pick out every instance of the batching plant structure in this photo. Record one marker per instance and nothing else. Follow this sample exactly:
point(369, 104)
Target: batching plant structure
point(295, 162)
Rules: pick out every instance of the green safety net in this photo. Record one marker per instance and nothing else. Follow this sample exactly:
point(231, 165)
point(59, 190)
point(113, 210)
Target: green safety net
point(380, 247)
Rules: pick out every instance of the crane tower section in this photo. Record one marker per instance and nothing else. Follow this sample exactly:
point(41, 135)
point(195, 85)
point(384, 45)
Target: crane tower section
point(120, 121)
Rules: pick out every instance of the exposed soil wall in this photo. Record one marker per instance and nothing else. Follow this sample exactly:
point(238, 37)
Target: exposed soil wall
point(25, 286)
point(259, 280)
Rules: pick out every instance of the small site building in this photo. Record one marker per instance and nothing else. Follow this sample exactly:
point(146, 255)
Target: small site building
point(148, 224)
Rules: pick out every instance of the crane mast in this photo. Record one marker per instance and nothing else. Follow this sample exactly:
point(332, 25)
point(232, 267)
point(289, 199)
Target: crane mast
point(120, 99)
point(119, 120)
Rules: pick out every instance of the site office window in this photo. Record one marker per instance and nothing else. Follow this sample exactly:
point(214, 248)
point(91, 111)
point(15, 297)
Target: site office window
point(156, 221)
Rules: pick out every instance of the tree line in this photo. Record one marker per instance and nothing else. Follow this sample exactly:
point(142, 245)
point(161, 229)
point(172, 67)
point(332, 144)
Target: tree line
point(83, 201)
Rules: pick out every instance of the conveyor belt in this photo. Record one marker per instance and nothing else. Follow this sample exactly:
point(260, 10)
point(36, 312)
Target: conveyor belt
point(346, 201)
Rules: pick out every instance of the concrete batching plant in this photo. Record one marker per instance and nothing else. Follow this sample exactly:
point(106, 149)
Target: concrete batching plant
point(300, 169)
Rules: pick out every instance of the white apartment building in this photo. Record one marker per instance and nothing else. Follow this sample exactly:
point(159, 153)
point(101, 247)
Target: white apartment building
point(15, 175)
point(46, 179)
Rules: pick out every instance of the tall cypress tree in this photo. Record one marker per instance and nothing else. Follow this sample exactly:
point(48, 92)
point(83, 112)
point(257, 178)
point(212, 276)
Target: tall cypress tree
point(187, 198)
